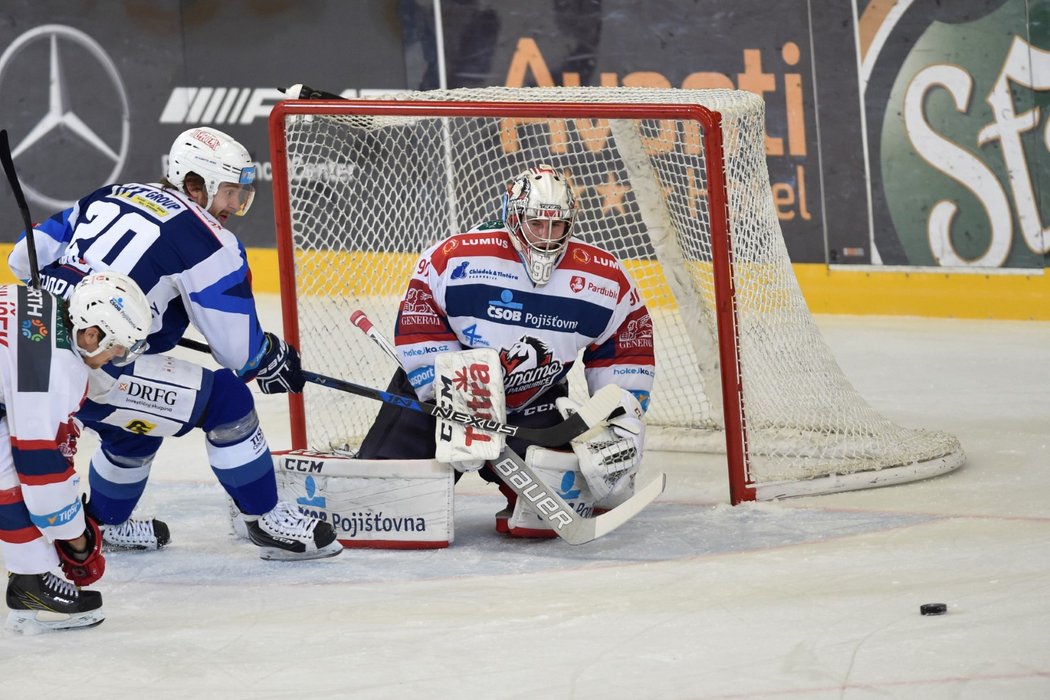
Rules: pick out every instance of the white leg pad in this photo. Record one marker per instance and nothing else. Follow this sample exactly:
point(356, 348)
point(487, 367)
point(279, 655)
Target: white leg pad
point(382, 504)
point(560, 471)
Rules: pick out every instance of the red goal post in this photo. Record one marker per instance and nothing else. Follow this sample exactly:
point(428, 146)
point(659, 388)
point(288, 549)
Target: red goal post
point(673, 182)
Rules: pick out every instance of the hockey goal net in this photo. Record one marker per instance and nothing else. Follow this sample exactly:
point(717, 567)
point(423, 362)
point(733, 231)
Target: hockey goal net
point(674, 182)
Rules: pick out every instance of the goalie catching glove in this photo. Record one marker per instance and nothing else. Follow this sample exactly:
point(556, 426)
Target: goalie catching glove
point(609, 455)
point(280, 370)
point(86, 566)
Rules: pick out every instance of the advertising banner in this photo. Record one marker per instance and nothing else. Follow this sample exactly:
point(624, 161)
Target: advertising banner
point(686, 44)
point(956, 104)
point(898, 132)
point(93, 93)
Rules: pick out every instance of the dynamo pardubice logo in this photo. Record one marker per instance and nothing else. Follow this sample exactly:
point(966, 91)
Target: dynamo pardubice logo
point(966, 143)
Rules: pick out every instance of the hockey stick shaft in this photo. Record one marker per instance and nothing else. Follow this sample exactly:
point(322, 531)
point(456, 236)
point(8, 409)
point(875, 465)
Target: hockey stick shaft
point(590, 414)
point(20, 199)
point(603, 405)
point(526, 483)
point(359, 319)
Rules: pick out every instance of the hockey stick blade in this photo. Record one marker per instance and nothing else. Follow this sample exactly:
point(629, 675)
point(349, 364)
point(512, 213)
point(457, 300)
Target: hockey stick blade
point(8, 162)
point(604, 404)
point(566, 522)
point(610, 520)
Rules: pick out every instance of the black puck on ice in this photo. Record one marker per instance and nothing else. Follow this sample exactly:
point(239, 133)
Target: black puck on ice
point(933, 608)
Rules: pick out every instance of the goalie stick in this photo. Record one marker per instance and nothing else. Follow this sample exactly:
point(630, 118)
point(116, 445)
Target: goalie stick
point(601, 406)
point(523, 480)
point(20, 199)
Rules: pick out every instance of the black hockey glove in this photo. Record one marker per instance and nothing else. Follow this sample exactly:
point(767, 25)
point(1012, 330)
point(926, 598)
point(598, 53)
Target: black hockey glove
point(280, 370)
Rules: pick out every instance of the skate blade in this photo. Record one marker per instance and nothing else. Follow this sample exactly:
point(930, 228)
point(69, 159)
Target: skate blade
point(329, 550)
point(132, 547)
point(39, 621)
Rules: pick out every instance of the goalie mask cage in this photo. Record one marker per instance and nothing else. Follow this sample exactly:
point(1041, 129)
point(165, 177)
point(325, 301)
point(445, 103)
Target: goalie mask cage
point(673, 182)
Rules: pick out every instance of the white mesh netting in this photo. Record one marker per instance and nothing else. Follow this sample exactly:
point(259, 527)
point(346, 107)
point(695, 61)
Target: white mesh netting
point(368, 193)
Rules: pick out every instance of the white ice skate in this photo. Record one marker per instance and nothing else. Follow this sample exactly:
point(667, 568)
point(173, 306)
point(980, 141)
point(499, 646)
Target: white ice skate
point(136, 534)
point(286, 534)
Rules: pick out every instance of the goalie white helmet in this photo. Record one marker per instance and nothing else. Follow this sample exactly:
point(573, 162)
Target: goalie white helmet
point(115, 304)
point(538, 210)
point(217, 158)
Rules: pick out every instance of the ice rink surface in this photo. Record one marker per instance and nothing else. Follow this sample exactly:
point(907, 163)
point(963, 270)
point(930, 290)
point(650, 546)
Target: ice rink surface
point(815, 597)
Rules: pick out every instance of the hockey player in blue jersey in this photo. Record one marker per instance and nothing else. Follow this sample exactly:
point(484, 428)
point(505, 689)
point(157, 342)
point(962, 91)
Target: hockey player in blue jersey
point(170, 237)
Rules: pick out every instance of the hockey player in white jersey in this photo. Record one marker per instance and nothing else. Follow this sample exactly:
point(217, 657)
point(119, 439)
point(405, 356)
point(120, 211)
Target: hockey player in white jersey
point(171, 238)
point(46, 349)
point(524, 287)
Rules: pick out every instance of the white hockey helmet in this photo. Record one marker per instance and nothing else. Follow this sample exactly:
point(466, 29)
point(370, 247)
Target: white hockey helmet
point(535, 201)
point(115, 304)
point(217, 158)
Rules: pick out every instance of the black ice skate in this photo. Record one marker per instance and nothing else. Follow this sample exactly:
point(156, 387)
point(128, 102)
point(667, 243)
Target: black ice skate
point(41, 602)
point(286, 534)
point(136, 534)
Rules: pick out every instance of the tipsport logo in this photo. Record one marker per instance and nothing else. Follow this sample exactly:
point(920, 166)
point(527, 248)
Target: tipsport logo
point(34, 329)
point(59, 517)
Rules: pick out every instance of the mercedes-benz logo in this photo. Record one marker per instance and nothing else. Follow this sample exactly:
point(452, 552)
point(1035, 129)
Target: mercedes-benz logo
point(61, 111)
